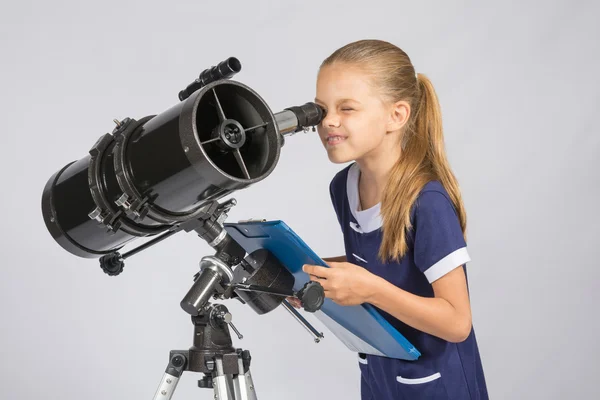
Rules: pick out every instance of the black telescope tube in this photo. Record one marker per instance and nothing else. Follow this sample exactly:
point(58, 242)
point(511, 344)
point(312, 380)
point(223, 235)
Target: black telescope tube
point(152, 174)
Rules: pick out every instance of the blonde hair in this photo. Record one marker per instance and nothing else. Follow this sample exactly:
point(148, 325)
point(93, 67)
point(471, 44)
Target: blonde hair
point(423, 156)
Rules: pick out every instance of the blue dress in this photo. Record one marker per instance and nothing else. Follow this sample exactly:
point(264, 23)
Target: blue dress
point(436, 245)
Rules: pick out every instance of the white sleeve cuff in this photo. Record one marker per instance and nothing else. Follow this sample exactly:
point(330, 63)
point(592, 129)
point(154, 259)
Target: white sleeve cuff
point(447, 264)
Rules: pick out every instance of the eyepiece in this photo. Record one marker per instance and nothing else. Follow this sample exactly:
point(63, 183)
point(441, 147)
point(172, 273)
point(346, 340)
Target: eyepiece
point(223, 70)
point(309, 114)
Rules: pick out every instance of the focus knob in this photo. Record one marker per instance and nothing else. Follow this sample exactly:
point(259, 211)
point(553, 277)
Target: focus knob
point(312, 296)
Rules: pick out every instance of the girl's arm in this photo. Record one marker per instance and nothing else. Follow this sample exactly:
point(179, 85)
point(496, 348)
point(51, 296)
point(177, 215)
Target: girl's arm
point(447, 315)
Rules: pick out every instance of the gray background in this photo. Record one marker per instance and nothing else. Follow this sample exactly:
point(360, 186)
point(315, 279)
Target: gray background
point(518, 83)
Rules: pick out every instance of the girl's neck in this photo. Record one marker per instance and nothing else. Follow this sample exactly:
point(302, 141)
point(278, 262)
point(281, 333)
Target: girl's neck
point(374, 173)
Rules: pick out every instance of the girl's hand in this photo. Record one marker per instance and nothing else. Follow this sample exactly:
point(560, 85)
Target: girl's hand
point(345, 283)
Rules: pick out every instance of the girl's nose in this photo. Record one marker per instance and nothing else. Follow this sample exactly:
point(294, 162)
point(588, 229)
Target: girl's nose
point(331, 120)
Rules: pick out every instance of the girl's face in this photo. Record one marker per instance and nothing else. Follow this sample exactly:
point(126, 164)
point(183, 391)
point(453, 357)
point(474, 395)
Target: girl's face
point(357, 120)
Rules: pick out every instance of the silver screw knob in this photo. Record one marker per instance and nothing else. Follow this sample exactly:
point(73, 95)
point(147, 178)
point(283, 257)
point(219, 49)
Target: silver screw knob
point(122, 201)
point(239, 335)
point(96, 214)
point(226, 317)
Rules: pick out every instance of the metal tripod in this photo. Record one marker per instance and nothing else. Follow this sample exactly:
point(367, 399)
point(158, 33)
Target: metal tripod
point(225, 369)
point(226, 275)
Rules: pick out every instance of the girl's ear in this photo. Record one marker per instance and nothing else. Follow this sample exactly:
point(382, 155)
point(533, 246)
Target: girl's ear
point(398, 115)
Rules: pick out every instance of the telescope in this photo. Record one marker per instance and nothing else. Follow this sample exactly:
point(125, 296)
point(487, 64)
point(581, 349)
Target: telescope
point(161, 174)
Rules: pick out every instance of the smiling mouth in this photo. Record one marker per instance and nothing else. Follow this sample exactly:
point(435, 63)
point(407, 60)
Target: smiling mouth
point(335, 139)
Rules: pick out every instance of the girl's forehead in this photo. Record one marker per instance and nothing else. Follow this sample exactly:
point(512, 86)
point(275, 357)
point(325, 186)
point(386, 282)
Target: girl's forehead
point(343, 81)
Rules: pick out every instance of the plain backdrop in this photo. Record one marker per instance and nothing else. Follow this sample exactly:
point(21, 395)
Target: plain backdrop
point(518, 82)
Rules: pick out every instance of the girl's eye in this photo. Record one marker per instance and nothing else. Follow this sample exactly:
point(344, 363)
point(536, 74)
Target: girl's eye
point(347, 109)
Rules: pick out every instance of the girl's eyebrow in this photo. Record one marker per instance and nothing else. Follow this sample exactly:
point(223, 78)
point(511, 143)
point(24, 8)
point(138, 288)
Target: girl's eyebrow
point(339, 101)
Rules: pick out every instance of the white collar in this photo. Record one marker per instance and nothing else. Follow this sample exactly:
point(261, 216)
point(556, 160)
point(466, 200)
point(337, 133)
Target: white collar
point(369, 219)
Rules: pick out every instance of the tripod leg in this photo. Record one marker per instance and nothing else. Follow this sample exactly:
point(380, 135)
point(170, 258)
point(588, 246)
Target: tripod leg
point(222, 384)
point(167, 387)
point(242, 382)
point(171, 377)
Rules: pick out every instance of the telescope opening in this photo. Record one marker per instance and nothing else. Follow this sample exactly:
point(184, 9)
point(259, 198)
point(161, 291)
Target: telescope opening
point(237, 132)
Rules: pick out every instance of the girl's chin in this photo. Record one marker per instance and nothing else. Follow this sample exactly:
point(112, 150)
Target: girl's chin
point(338, 157)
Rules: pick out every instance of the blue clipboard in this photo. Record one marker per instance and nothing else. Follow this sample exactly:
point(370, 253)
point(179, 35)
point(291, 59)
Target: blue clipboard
point(361, 328)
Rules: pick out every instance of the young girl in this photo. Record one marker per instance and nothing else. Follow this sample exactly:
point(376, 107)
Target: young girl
point(403, 221)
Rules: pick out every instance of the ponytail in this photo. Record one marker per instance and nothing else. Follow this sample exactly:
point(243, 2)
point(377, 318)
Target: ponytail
point(423, 159)
point(429, 124)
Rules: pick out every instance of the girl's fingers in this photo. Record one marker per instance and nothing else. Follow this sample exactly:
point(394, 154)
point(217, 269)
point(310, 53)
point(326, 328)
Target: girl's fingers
point(294, 302)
